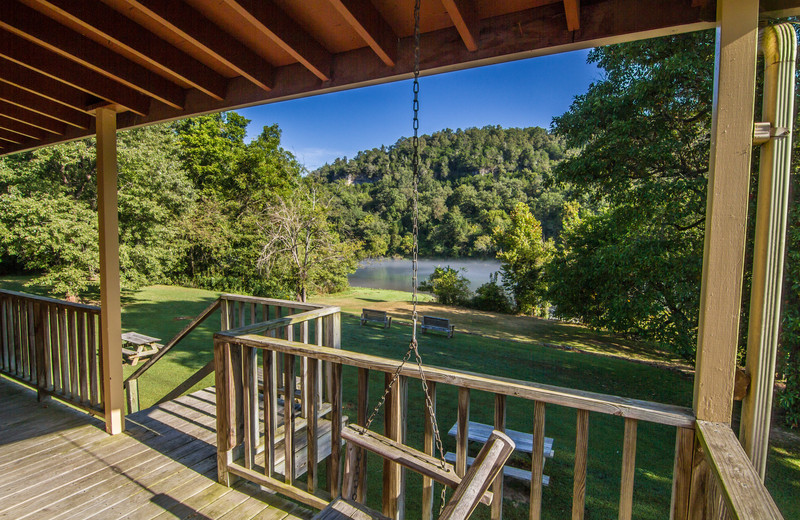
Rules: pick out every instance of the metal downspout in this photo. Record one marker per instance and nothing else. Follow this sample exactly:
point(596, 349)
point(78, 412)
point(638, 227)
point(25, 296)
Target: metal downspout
point(779, 45)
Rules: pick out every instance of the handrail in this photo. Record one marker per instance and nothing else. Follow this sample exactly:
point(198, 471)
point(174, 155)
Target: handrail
point(55, 301)
point(737, 480)
point(666, 414)
point(175, 340)
point(277, 323)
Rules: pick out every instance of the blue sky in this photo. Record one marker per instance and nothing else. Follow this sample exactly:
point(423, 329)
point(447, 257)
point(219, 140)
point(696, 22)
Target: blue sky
point(521, 93)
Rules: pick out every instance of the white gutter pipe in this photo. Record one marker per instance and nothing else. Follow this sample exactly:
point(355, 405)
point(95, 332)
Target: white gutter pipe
point(779, 46)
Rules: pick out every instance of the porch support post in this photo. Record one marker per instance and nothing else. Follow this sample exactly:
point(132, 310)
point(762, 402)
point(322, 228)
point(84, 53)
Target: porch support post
point(110, 314)
point(726, 210)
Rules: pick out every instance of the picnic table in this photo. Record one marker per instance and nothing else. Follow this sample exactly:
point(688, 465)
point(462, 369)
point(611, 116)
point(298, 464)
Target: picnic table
point(139, 346)
point(479, 432)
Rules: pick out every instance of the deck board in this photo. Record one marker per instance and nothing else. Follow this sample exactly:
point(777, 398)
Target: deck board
point(57, 463)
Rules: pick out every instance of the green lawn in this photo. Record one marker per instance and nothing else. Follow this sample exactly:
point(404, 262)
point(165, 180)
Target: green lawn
point(508, 346)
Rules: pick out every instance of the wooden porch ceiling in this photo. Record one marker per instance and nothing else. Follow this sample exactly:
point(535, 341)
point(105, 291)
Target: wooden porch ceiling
point(156, 60)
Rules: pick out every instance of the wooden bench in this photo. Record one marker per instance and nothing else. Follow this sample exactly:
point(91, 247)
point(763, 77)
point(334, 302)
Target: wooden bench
point(437, 324)
point(479, 432)
point(376, 316)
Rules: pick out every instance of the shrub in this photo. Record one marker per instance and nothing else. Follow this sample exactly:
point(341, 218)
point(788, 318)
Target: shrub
point(448, 285)
point(492, 296)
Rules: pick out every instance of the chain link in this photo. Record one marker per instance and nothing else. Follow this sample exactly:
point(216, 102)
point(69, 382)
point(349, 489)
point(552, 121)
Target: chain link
point(413, 347)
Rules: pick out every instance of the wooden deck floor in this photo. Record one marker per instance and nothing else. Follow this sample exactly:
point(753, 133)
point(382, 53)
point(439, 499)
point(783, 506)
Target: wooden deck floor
point(57, 463)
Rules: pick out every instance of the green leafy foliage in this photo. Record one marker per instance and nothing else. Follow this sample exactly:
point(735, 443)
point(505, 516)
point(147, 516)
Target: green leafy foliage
point(448, 285)
point(523, 255)
point(630, 261)
point(491, 296)
point(470, 181)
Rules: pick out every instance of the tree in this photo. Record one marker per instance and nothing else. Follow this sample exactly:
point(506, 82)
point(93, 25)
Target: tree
point(523, 254)
point(300, 244)
point(448, 284)
point(631, 261)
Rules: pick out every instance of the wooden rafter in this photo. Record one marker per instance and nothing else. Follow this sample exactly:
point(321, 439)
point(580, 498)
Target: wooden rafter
point(572, 9)
point(37, 83)
point(46, 32)
point(371, 26)
point(24, 115)
point(122, 31)
point(22, 129)
point(465, 18)
point(26, 53)
point(7, 137)
point(280, 28)
point(201, 32)
point(40, 105)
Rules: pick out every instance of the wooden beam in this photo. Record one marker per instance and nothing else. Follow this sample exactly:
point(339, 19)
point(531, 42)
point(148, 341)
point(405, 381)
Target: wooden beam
point(191, 25)
point(371, 26)
point(10, 137)
point(41, 105)
point(37, 83)
point(23, 129)
point(63, 69)
point(572, 9)
point(779, 8)
point(34, 119)
point(111, 310)
point(46, 32)
point(281, 29)
point(122, 31)
point(521, 35)
point(465, 18)
point(726, 213)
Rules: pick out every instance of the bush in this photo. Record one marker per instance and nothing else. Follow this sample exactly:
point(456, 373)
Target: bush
point(492, 296)
point(448, 285)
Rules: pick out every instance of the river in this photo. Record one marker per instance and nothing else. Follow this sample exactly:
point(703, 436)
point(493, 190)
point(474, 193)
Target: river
point(392, 273)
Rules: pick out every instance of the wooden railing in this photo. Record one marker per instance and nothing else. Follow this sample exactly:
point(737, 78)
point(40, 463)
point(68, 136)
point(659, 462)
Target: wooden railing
point(726, 485)
point(236, 311)
point(53, 345)
point(237, 412)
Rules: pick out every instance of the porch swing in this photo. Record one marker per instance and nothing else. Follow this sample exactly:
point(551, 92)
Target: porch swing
point(469, 490)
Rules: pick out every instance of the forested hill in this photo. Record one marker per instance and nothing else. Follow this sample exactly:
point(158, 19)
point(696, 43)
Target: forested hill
point(470, 181)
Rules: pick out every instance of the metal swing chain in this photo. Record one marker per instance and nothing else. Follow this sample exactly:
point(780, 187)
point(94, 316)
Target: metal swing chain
point(413, 346)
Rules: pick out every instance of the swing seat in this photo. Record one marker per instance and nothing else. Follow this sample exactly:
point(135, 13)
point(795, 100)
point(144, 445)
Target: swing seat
point(469, 490)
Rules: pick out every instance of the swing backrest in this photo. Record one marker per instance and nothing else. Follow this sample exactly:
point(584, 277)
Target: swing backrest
point(469, 490)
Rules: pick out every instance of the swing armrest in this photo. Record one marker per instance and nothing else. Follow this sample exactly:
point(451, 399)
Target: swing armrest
point(409, 457)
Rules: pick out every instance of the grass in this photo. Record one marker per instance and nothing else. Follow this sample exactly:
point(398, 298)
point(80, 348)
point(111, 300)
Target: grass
point(507, 346)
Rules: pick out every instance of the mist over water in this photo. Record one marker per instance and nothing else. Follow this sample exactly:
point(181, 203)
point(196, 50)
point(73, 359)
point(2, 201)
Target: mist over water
point(395, 274)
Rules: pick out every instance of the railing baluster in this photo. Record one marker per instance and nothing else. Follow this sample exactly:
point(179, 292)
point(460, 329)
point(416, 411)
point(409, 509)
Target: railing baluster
point(93, 352)
point(312, 432)
point(682, 473)
point(18, 327)
point(497, 485)
point(628, 470)
point(270, 365)
point(252, 312)
point(249, 406)
point(73, 354)
point(55, 358)
point(462, 439)
point(83, 366)
point(429, 446)
point(288, 418)
point(39, 348)
point(537, 460)
point(44, 334)
point(63, 345)
point(581, 459)
point(334, 460)
point(32, 369)
point(392, 472)
point(226, 425)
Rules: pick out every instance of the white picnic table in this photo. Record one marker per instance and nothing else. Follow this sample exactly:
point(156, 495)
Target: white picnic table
point(479, 432)
point(143, 346)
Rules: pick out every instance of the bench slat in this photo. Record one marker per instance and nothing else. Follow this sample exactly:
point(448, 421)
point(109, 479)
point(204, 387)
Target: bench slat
point(479, 432)
point(508, 471)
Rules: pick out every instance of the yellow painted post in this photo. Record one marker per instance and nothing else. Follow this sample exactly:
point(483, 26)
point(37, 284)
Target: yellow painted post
point(110, 315)
point(726, 210)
